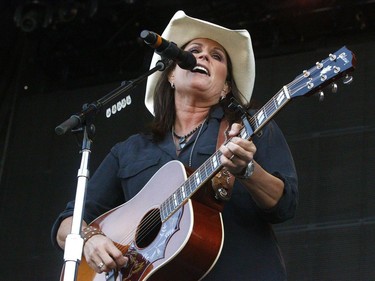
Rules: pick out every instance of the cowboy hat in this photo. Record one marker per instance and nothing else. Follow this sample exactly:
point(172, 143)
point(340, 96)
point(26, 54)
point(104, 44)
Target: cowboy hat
point(182, 29)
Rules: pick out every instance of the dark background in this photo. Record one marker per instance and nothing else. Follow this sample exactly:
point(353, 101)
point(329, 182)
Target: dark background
point(57, 55)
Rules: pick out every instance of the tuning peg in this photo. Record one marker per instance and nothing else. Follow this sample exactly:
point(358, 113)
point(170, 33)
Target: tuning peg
point(320, 96)
point(347, 79)
point(332, 57)
point(334, 88)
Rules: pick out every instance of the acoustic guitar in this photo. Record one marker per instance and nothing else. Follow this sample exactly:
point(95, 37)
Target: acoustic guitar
point(173, 229)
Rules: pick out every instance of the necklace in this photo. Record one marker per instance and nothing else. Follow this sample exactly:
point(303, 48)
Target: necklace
point(195, 142)
point(183, 139)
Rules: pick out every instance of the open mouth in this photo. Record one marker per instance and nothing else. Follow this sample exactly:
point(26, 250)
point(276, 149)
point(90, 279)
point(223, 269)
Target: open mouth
point(201, 69)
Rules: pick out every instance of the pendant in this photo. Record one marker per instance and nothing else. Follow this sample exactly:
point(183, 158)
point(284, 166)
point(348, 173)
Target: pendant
point(181, 142)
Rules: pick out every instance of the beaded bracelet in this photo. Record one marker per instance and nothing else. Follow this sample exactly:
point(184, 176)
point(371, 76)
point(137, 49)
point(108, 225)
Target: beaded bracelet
point(89, 232)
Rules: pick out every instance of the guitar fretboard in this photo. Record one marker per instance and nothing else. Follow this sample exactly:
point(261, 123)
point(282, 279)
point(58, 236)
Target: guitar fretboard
point(213, 164)
point(262, 116)
point(311, 80)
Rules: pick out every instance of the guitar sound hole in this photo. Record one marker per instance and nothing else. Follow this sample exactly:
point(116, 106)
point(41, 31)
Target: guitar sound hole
point(148, 229)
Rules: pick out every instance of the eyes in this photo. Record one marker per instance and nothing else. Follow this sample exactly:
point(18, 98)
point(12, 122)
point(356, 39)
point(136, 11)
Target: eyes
point(214, 53)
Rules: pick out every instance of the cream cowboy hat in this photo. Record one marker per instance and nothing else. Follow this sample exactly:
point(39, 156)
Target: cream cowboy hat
point(182, 29)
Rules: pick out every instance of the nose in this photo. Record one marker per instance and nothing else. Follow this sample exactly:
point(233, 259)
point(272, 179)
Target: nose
point(203, 55)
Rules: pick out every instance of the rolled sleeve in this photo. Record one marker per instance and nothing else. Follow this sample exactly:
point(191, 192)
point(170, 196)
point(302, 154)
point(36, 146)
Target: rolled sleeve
point(274, 155)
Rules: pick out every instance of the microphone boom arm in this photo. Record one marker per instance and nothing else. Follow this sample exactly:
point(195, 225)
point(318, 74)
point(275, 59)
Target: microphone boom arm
point(90, 110)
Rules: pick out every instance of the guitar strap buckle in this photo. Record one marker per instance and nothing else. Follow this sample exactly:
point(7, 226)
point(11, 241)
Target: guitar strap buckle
point(222, 185)
point(222, 182)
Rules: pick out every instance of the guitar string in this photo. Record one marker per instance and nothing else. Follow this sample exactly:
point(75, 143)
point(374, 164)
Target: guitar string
point(267, 107)
point(151, 219)
point(271, 103)
point(179, 196)
point(154, 218)
point(130, 237)
point(298, 80)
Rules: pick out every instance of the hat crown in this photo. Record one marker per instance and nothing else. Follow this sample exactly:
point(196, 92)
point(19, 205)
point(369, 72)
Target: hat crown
point(182, 29)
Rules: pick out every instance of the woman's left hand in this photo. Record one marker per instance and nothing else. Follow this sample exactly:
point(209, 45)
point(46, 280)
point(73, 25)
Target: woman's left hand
point(238, 152)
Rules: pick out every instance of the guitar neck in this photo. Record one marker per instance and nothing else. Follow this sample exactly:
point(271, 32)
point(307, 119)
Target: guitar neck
point(196, 180)
point(305, 84)
point(213, 164)
point(267, 112)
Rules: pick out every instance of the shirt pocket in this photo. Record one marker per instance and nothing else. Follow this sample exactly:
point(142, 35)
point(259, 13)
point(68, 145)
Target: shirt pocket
point(137, 167)
point(206, 150)
point(135, 175)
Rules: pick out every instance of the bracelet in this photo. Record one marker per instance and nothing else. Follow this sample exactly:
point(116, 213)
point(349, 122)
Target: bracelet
point(249, 170)
point(89, 232)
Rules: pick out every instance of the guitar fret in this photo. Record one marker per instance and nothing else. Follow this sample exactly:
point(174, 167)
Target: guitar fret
point(301, 85)
point(243, 134)
point(286, 92)
point(209, 167)
point(203, 173)
point(183, 191)
point(189, 182)
point(167, 211)
point(261, 116)
point(275, 105)
point(162, 211)
point(181, 195)
point(218, 155)
point(271, 108)
point(214, 161)
point(197, 178)
point(256, 125)
point(280, 98)
point(170, 209)
point(175, 200)
point(192, 183)
point(253, 123)
point(171, 203)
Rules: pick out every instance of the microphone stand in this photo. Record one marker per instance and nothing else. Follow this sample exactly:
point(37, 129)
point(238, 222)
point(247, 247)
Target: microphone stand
point(83, 122)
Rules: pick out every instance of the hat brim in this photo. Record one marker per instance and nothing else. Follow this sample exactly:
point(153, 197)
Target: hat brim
point(182, 29)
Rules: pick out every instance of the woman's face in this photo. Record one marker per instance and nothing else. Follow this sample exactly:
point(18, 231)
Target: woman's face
point(208, 79)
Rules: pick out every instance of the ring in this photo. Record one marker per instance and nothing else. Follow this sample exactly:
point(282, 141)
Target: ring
point(230, 158)
point(100, 265)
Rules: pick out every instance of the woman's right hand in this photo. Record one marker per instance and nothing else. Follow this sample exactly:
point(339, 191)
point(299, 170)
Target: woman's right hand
point(102, 255)
point(98, 249)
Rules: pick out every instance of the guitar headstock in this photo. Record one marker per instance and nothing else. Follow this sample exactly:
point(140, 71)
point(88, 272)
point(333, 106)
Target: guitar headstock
point(310, 81)
point(333, 67)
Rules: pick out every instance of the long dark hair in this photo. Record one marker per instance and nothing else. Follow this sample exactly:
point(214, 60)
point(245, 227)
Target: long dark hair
point(164, 104)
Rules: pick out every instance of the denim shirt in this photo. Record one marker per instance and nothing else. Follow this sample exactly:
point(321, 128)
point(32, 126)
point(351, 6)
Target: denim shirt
point(250, 250)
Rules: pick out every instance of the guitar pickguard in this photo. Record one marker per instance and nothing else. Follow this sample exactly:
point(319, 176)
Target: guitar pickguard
point(141, 259)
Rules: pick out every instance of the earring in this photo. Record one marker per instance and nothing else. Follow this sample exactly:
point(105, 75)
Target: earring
point(224, 92)
point(172, 85)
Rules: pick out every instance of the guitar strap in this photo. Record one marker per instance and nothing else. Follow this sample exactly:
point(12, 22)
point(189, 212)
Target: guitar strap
point(222, 182)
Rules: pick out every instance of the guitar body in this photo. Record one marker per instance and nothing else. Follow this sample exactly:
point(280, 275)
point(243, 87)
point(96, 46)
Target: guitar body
point(184, 247)
point(170, 234)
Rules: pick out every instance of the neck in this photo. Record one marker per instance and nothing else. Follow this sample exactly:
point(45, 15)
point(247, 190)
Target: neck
point(188, 119)
point(185, 125)
point(183, 139)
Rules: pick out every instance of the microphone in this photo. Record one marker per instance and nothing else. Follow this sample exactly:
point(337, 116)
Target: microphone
point(169, 50)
